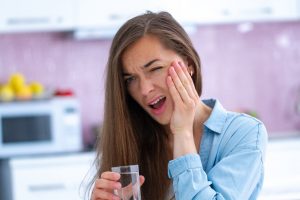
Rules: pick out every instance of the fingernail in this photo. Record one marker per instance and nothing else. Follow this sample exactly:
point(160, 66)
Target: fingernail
point(119, 186)
point(117, 176)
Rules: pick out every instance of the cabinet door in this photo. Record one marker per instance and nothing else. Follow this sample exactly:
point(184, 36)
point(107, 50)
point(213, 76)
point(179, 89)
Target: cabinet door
point(259, 10)
point(102, 14)
point(282, 169)
point(49, 178)
point(102, 19)
point(36, 15)
point(232, 11)
point(96, 18)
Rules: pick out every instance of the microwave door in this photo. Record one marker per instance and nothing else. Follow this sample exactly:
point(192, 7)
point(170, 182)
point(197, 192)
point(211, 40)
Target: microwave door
point(26, 129)
point(26, 134)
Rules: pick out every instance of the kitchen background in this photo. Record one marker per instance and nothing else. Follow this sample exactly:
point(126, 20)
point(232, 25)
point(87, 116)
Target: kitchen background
point(248, 67)
point(250, 53)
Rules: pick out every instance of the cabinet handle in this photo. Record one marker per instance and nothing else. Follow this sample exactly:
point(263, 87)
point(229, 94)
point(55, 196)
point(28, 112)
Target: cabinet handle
point(17, 21)
point(48, 187)
point(33, 21)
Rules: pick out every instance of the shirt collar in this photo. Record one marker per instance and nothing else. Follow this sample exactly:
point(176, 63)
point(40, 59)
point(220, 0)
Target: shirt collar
point(217, 118)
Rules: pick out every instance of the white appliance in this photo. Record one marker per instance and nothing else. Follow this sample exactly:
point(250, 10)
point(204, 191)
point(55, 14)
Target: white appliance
point(60, 177)
point(37, 15)
point(96, 19)
point(282, 169)
point(39, 127)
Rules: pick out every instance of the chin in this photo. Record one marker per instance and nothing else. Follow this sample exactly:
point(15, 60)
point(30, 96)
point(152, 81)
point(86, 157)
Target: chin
point(162, 121)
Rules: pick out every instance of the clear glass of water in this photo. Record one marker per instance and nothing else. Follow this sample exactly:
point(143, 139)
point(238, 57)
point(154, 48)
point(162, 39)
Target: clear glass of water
point(130, 182)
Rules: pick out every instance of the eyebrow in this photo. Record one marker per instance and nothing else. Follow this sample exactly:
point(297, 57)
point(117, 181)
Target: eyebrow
point(145, 65)
point(150, 62)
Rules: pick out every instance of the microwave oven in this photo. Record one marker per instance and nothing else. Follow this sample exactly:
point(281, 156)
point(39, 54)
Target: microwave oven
point(39, 127)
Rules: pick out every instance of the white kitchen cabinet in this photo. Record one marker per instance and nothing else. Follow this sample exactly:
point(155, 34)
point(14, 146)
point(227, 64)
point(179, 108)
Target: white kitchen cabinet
point(99, 19)
point(37, 15)
point(233, 11)
point(59, 177)
point(96, 18)
point(282, 169)
point(97, 13)
point(259, 10)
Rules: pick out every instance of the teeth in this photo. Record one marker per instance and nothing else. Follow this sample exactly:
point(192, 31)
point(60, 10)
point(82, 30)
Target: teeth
point(157, 100)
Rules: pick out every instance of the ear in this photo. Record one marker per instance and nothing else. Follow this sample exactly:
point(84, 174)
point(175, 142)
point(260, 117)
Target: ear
point(190, 66)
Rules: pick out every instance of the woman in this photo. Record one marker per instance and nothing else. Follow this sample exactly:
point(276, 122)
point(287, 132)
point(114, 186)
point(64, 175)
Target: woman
point(186, 148)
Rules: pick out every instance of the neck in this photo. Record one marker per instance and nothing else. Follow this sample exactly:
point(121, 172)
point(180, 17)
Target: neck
point(202, 114)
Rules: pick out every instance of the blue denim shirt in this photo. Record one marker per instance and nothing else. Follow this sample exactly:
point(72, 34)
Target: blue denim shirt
point(231, 160)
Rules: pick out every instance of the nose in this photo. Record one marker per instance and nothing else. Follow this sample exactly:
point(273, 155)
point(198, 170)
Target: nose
point(146, 86)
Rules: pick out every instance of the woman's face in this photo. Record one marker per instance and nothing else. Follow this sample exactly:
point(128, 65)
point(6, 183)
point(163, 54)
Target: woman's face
point(145, 69)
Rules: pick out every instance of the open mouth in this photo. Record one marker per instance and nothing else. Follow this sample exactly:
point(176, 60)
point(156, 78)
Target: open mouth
point(158, 103)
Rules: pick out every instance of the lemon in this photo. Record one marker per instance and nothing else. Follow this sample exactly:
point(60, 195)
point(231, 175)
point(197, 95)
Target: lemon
point(37, 88)
point(24, 93)
point(6, 93)
point(16, 81)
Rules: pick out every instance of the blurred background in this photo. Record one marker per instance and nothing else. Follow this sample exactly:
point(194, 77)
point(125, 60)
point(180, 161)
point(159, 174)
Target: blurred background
point(53, 55)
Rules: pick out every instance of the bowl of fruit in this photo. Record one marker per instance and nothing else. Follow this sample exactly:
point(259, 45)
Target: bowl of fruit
point(17, 89)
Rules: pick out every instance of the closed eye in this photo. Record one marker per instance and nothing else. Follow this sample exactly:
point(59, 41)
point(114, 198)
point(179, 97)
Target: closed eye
point(155, 68)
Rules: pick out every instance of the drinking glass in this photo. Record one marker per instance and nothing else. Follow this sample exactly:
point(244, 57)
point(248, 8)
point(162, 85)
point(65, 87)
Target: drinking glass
point(130, 182)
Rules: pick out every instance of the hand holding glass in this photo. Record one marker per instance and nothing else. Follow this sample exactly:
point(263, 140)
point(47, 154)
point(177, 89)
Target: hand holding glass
point(130, 182)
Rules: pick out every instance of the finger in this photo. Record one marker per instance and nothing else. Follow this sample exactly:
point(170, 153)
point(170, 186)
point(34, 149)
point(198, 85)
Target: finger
point(107, 184)
point(102, 194)
point(186, 79)
point(180, 70)
point(193, 90)
point(113, 176)
point(142, 180)
point(186, 72)
point(173, 91)
point(179, 85)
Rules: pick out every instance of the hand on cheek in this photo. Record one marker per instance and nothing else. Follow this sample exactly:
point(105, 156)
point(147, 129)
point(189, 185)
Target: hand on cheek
point(185, 99)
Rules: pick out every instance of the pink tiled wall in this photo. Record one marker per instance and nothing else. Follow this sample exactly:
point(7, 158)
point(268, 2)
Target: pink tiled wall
point(253, 67)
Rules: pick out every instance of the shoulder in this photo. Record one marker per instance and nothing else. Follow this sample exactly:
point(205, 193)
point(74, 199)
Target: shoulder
point(235, 131)
point(243, 123)
point(244, 132)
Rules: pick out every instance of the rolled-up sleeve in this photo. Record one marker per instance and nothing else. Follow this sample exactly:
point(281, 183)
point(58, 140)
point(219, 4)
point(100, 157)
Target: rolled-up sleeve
point(237, 175)
point(189, 179)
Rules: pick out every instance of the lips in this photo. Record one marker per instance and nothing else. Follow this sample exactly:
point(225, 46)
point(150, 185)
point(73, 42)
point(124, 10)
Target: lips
point(157, 105)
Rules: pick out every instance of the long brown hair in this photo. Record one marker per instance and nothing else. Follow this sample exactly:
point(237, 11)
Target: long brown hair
point(129, 135)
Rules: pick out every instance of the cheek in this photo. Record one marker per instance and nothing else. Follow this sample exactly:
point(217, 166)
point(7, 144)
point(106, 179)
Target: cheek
point(161, 78)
